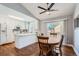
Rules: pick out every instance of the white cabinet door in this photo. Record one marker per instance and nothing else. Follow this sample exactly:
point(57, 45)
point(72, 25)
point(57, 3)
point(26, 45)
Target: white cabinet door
point(3, 39)
point(3, 33)
point(10, 36)
point(25, 40)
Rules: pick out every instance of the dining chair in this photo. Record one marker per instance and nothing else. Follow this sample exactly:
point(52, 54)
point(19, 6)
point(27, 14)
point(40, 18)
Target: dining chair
point(59, 46)
point(53, 33)
point(43, 45)
point(42, 34)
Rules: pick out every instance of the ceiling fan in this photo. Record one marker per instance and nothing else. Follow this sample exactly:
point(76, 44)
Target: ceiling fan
point(48, 9)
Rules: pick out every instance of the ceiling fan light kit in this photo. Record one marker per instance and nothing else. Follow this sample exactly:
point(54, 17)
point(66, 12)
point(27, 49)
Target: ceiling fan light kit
point(48, 13)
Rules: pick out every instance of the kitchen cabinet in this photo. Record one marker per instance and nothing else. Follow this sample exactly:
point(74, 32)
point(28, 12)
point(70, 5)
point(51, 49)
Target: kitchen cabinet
point(25, 39)
point(3, 33)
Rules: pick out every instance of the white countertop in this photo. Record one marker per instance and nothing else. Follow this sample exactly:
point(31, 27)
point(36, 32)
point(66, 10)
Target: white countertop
point(24, 34)
point(24, 39)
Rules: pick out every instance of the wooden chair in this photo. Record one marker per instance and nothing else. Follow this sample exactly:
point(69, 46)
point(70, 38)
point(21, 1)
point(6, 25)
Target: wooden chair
point(58, 47)
point(43, 45)
point(53, 33)
point(42, 34)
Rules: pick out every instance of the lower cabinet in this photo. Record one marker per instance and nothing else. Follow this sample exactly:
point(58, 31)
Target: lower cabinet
point(6, 34)
point(3, 39)
point(25, 40)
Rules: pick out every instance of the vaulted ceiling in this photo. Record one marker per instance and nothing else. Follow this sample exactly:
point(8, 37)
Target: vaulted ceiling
point(31, 9)
point(19, 7)
point(63, 9)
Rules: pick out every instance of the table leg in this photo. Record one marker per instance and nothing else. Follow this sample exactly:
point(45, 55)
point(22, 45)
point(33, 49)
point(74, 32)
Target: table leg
point(53, 52)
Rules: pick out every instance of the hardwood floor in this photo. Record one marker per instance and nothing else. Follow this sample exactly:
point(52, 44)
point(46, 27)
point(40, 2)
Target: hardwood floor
point(31, 50)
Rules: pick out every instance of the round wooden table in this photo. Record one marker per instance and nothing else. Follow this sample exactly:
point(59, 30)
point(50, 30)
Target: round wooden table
point(54, 40)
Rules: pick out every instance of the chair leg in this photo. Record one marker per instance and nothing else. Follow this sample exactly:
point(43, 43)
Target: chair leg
point(40, 53)
point(60, 52)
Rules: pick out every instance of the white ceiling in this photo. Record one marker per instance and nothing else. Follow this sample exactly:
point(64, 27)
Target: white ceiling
point(64, 9)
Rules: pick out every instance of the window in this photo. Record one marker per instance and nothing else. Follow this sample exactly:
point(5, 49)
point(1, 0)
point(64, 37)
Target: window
point(55, 27)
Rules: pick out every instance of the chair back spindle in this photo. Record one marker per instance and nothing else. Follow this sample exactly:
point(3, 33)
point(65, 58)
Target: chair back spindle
point(61, 41)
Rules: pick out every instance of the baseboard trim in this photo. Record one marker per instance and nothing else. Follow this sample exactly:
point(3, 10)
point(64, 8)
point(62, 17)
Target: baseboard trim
point(70, 45)
point(7, 43)
point(76, 51)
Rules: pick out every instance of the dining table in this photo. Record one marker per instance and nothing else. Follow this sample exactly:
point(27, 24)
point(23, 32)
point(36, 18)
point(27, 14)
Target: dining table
point(52, 41)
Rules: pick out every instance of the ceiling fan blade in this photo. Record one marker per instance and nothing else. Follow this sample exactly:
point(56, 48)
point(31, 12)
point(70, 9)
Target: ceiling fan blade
point(47, 4)
point(53, 10)
point(51, 6)
point(43, 12)
point(41, 8)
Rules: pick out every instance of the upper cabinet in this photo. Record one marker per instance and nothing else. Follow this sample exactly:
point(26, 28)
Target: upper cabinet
point(76, 22)
point(76, 13)
point(76, 16)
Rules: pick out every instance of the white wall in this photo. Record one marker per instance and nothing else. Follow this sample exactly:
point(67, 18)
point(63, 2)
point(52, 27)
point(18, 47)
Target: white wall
point(69, 31)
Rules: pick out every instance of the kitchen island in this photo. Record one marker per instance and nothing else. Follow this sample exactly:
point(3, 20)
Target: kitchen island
point(24, 39)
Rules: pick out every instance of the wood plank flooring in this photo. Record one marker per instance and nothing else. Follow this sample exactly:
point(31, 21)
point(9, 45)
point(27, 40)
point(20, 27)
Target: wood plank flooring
point(31, 50)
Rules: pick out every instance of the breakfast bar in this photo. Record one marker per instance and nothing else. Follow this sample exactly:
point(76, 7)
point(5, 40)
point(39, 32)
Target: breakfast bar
point(24, 39)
